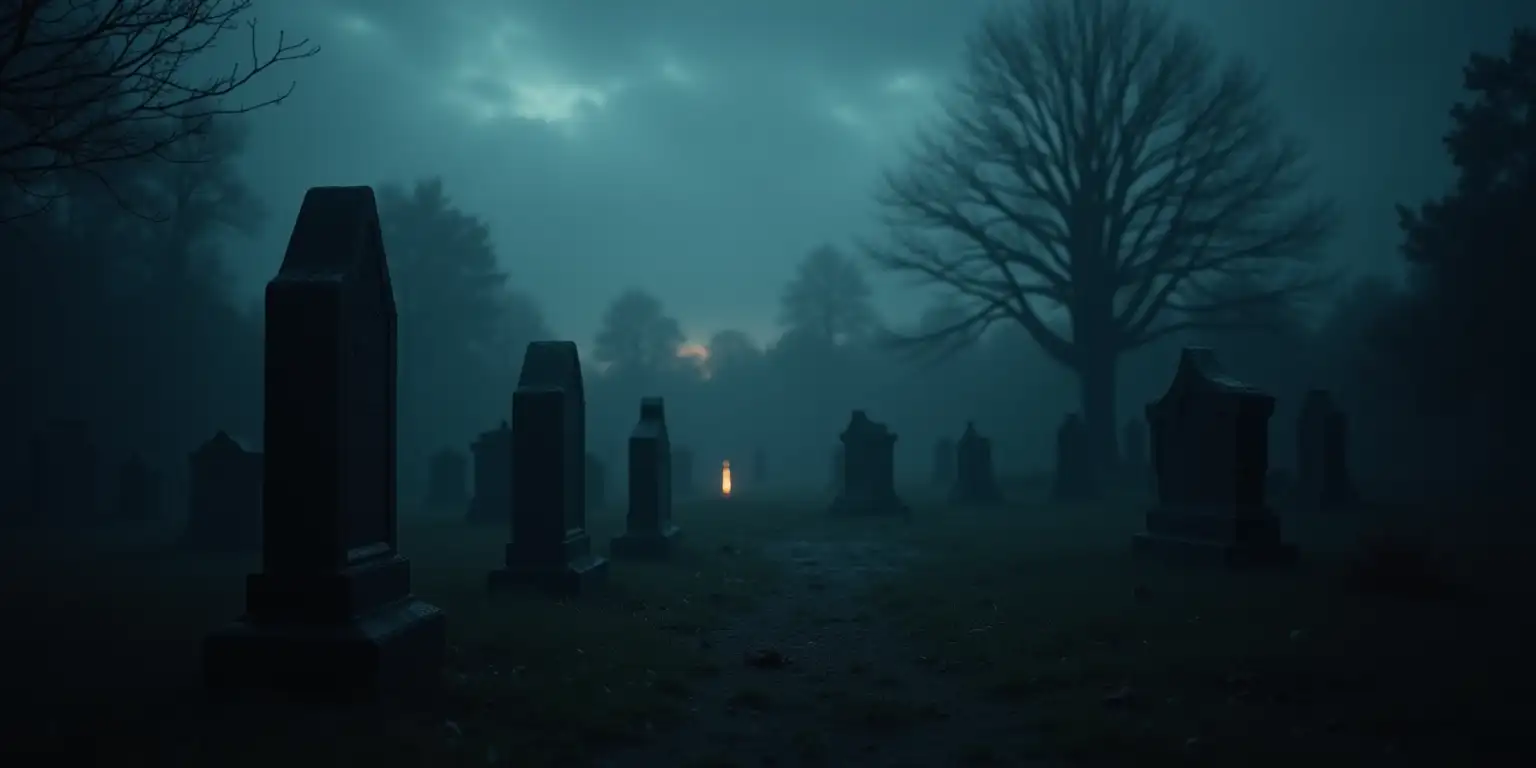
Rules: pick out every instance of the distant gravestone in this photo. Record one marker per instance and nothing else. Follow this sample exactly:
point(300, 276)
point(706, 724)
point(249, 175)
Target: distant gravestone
point(224, 496)
point(331, 613)
point(138, 491)
point(869, 471)
point(1322, 454)
point(1073, 481)
point(550, 548)
point(975, 478)
point(597, 483)
point(1210, 453)
point(944, 463)
point(492, 502)
point(682, 473)
point(648, 528)
point(64, 473)
point(447, 481)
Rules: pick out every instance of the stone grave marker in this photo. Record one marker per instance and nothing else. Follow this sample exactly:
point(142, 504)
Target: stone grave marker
point(975, 477)
point(492, 451)
point(648, 527)
point(331, 613)
point(944, 463)
point(550, 548)
point(447, 481)
point(682, 473)
point(138, 491)
point(224, 496)
point(64, 474)
point(1322, 454)
point(1210, 452)
point(1073, 481)
point(597, 483)
point(869, 471)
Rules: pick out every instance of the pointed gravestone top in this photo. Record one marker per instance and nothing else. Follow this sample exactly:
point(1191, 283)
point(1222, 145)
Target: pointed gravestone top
point(220, 443)
point(1200, 371)
point(970, 432)
point(337, 237)
point(552, 365)
point(653, 409)
point(653, 423)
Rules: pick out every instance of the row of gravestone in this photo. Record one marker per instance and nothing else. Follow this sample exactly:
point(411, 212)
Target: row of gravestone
point(866, 485)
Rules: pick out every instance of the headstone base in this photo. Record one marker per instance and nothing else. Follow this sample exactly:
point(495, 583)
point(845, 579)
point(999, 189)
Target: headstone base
point(400, 646)
point(1216, 534)
point(639, 546)
point(578, 572)
point(1206, 552)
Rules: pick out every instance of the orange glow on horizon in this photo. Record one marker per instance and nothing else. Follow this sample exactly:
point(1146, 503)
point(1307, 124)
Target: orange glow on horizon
point(725, 478)
point(694, 350)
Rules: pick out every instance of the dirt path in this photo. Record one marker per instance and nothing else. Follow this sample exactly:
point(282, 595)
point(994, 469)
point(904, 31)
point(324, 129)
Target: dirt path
point(813, 678)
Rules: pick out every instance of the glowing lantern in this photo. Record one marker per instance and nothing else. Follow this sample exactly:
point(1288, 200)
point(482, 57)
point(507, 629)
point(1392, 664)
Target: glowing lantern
point(725, 478)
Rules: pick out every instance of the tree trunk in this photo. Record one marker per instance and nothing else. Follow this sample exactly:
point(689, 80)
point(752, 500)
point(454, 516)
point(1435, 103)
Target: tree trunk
point(1096, 389)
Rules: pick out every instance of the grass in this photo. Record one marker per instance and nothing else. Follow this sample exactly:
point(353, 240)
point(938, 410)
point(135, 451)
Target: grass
point(109, 634)
point(1120, 661)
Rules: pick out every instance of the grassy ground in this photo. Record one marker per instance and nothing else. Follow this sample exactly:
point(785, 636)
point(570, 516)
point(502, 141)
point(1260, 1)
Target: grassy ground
point(1126, 662)
point(107, 642)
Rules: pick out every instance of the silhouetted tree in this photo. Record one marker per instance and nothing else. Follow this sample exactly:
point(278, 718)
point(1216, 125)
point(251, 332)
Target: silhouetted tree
point(1098, 157)
point(638, 339)
point(85, 84)
point(827, 299)
point(732, 354)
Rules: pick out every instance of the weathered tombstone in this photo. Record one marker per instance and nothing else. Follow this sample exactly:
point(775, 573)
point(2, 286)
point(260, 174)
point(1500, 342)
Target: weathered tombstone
point(331, 613)
point(550, 548)
point(682, 473)
point(224, 496)
point(1073, 482)
point(447, 480)
point(975, 478)
point(1322, 460)
point(492, 502)
point(1210, 452)
point(648, 528)
point(597, 483)
point(1135, 436)
point(64, 476)
point(869, 471)
point(944, 462)
point(138, 491)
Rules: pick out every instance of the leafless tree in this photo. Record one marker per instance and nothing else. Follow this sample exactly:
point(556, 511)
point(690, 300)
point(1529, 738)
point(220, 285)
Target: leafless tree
point(87, 84)
point(1102, 178)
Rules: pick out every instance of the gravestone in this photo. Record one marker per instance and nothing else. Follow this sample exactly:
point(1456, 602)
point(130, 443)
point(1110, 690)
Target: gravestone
point(648, 527)
point(869, 471)
point(138, 491)
point(550, 549)
point(224, 496)
point(1073, 481)
point(682, 473)
point(1322, 460)
point(1210, 452)
point(331, 613)
point(597, 483)
point(944, 462)
point(64, 473)
point(447, 481)
point(1135, 437)
point(975, 478)
point(492, 502)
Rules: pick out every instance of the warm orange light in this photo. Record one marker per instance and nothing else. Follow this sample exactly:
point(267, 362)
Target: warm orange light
point(725, 478)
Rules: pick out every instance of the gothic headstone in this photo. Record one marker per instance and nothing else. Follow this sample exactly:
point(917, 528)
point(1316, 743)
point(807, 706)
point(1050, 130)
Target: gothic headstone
point(138, 491)
point(550, 548)
point(682, 473)
point(331, 613)
point(597, 483)
point(492, 502)
point(944, 462)
point(1073, 480)
point(64, 476)
point(975, 478)
point(1210, 452)
point(869, 471)
point(447, 481)
point(1322, 454)
point(648, 528)
point(224, 496)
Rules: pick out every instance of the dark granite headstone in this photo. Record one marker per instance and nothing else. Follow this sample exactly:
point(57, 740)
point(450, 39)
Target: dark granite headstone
point(648, 528)
point(1210, 452)
point(869, 471)
point(1322, 454)
point(944, 463)
point(138, 491)
point(975, 478)
point(447, 481)
point(65, 469)
point(224, 496)
point(550, 548)
point(682, 473)
point(1072, 481)
point(492, 502)
point(331, 613)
